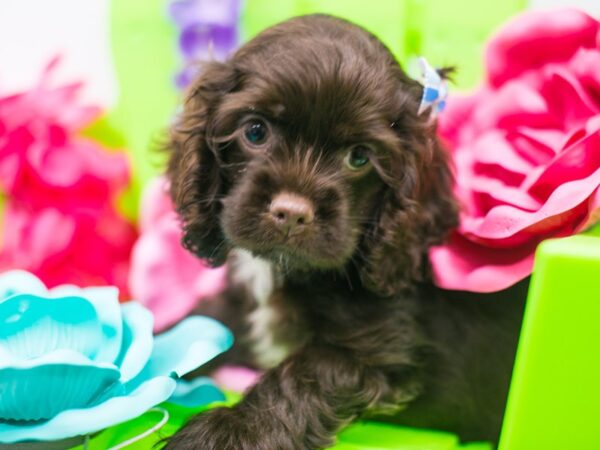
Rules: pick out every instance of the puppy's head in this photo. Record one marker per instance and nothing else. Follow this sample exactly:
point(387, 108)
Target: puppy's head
point(306, 149)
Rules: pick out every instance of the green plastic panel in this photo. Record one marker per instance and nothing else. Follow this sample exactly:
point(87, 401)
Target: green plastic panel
point(144, 48)
point(454, 33)
point(446, 32)
point(381, 16)
point(379, 436)
point(554, 402)
point(359, 436)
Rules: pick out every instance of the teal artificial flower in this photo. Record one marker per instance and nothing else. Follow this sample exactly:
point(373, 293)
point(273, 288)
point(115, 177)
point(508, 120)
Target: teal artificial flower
point(74, 361)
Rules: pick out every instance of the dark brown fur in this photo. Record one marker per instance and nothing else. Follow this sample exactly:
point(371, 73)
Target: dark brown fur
point(371, 334)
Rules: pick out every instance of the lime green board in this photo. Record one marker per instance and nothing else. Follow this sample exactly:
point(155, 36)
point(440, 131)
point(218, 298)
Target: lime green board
point(144, 48)
point(101, 131)
point(177, 417)
point(260, 14)
point(379, 436)
point(360, 436)
point(446, 32)
point(554, 402)
point(594, 231)
point(454, 33)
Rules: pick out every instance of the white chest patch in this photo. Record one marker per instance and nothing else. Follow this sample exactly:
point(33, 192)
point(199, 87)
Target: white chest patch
point(255, 273)
point(259, 278)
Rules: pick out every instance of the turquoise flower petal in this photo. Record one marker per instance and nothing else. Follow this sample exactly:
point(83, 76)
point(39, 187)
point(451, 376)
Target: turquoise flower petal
point(61, 352)
point(185, 347)
point(89, 420)
point(20, 282)
point(31, 326)
point(137, 340)
point(40, 388)
point(198, 392)
point(106, 302)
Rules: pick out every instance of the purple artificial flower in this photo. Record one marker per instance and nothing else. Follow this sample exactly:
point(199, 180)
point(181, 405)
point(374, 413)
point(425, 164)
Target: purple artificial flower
point(208, 30)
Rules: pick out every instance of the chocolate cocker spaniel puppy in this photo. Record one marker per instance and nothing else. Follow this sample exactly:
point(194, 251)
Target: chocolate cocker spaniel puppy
point(302, 161)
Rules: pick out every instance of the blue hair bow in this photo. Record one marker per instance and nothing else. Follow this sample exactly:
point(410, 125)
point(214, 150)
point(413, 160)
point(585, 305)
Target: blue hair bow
point(435, 89)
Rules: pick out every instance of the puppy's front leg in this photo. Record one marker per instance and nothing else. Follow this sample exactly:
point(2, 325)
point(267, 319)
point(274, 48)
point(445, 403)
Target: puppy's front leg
point(300, 404)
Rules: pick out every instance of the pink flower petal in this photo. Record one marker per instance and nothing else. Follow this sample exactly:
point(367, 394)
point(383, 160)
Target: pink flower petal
point(210, 282)
point(490, 193)
point(464, 265)
point(537, 38)
point(11, 160)
point(503, 224)
point(525, 149)
point(594, 211)
point(577, 162)
point(61, 221)
point(56, 165)
point(454, 124)
point(538, 146)
point(26, 244)
point(236, 378)
point(585, 65)
point(164, 276)
point(569, 102)
point(497, 158)
point(514, 104)
point(155, 203)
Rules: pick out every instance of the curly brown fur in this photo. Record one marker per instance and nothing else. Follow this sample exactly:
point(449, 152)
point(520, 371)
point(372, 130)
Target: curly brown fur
point(338, 304)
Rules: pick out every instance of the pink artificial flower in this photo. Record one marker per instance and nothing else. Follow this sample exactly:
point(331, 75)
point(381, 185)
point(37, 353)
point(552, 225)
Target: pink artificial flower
point(526, 147)
point(164, 276)
point(60, 219)
point(43, 160)
point(82, 249)
point(235, 378)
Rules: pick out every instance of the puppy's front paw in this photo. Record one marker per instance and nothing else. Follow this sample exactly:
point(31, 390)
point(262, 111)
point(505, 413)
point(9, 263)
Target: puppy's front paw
point(229, 429)
point(217, 429)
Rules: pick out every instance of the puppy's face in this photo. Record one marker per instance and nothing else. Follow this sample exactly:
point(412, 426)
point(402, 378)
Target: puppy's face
point(301, 160)
point(296, 199)
point(302, 147)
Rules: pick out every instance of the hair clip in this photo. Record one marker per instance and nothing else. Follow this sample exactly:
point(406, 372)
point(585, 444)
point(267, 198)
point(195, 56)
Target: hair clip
point(435, 89)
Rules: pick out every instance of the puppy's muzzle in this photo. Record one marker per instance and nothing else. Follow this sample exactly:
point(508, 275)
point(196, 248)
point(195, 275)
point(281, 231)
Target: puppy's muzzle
point(292, 214)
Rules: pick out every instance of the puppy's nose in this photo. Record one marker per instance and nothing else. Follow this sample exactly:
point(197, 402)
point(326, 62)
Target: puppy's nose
point(291, 212)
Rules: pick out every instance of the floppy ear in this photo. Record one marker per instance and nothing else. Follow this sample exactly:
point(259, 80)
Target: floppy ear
point(418, 210)
point(194, 168)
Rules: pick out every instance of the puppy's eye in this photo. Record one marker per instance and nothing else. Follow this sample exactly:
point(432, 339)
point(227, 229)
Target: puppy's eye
point(256, 132)
point(358, 157)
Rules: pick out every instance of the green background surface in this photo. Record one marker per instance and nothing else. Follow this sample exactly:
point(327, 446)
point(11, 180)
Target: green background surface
point(554, 401)
point(359, 436)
